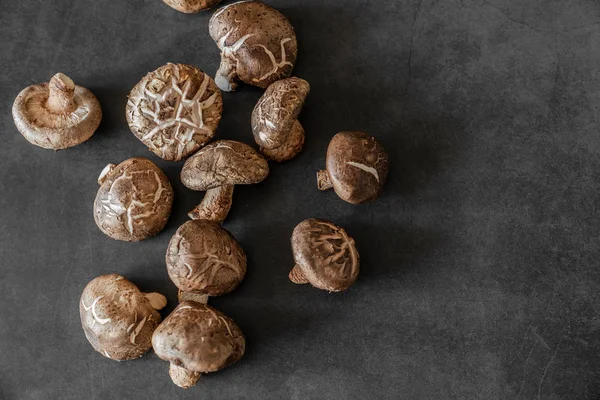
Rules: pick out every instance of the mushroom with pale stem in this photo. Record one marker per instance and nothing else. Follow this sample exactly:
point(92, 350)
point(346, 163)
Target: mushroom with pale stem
point(196, 338)
point(118, 320)
point(275, 119)
point(203, 259)
point(216, 168)
point(258, 44)
point(357, 167)
point(58, 114)
point(174, 110)
point(134, 200)
point(191, 6)
point(325, 256)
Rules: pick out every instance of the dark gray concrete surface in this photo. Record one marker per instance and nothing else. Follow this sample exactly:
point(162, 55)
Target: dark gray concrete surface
point(480, 268)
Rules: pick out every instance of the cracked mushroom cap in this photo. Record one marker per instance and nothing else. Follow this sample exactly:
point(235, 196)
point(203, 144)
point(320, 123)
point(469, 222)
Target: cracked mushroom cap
point(224, 162)
point(258, 44)
point(174, 110)
point(275, 119)
point(357, 166)
point(204, 258)
point(58, 114)
point(118, 319)
point(134, 200)
point(191, 6)
point(325, 256)
point(198, 338)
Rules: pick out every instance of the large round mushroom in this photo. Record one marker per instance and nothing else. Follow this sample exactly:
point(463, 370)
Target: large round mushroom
point(174, 110)
point(205, 259)
point(134, 200)
point(58, 114)
point(258, 44)
point(325, 256)
point(215, 169)
point(357, 167)
point(196, 338)
point(118, 320)
point(275, 122)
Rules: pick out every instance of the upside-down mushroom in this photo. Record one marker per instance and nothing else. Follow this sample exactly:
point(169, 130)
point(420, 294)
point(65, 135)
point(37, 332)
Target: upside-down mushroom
point(134, 200)
point(174, 110)
point(196, 338)
point(58, 114)
point(191, 6)
point(275, 119)
point(258, 44)
point(215, 169)
point(325, 256)
point(118, 320)
point(356, 167)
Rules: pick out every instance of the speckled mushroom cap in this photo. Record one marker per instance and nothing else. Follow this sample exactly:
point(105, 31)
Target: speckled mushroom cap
point(58, 114)
point(224, 162)
point(118, 319)
point(134, 200)
point(191, 6)
point(198, 338)
point(326, 257)
point(357, 167)
point(275, 119)
point(174, 110)
point(258, 44)
point(202, 257)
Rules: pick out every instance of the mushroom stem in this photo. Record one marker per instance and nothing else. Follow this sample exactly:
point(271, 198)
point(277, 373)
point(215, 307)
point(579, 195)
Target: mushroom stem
point(192, 296)
point(60, 98)
point(226, 77)
point(297, 276)
point(182, 377)
point(323, 181)
point(157, 300)
point(215, 205)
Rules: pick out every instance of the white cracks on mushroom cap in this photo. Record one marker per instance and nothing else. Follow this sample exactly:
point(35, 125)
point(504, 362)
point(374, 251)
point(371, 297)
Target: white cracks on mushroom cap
point(160, 188)
point(183, 308)
point(223, 9)
point(137, 330)
point(276, 65)
point(365, 168)
point(101, 321)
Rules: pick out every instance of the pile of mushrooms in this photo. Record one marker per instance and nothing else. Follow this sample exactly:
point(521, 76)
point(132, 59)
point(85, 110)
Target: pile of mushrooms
point(175, 111)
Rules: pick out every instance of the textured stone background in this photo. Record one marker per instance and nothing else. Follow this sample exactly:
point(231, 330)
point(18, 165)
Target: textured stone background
point(479, 264)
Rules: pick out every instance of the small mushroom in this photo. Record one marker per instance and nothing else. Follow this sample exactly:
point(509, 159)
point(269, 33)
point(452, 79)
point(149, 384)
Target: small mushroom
point(216, 169)
point(325, 256)
point(174, 110)
point(275, 119)
point(195, 339)
point(258, 44)
point(357, 167)
point(134, 200)
point(118, 320)
point(191, 6)
point(204, 259)
point(58, 114)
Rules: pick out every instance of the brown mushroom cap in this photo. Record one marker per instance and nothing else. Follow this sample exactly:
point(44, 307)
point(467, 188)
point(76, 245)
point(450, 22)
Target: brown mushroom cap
point(58, 114)
point(204, 258)
point(191, 6)
point(224, 162)
point(325, 255)
point(134, 200)
point(118, 319)
point(357, 167)
point(258, 44)
point(275, 118)
point(175, 110)
point(198, 338)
